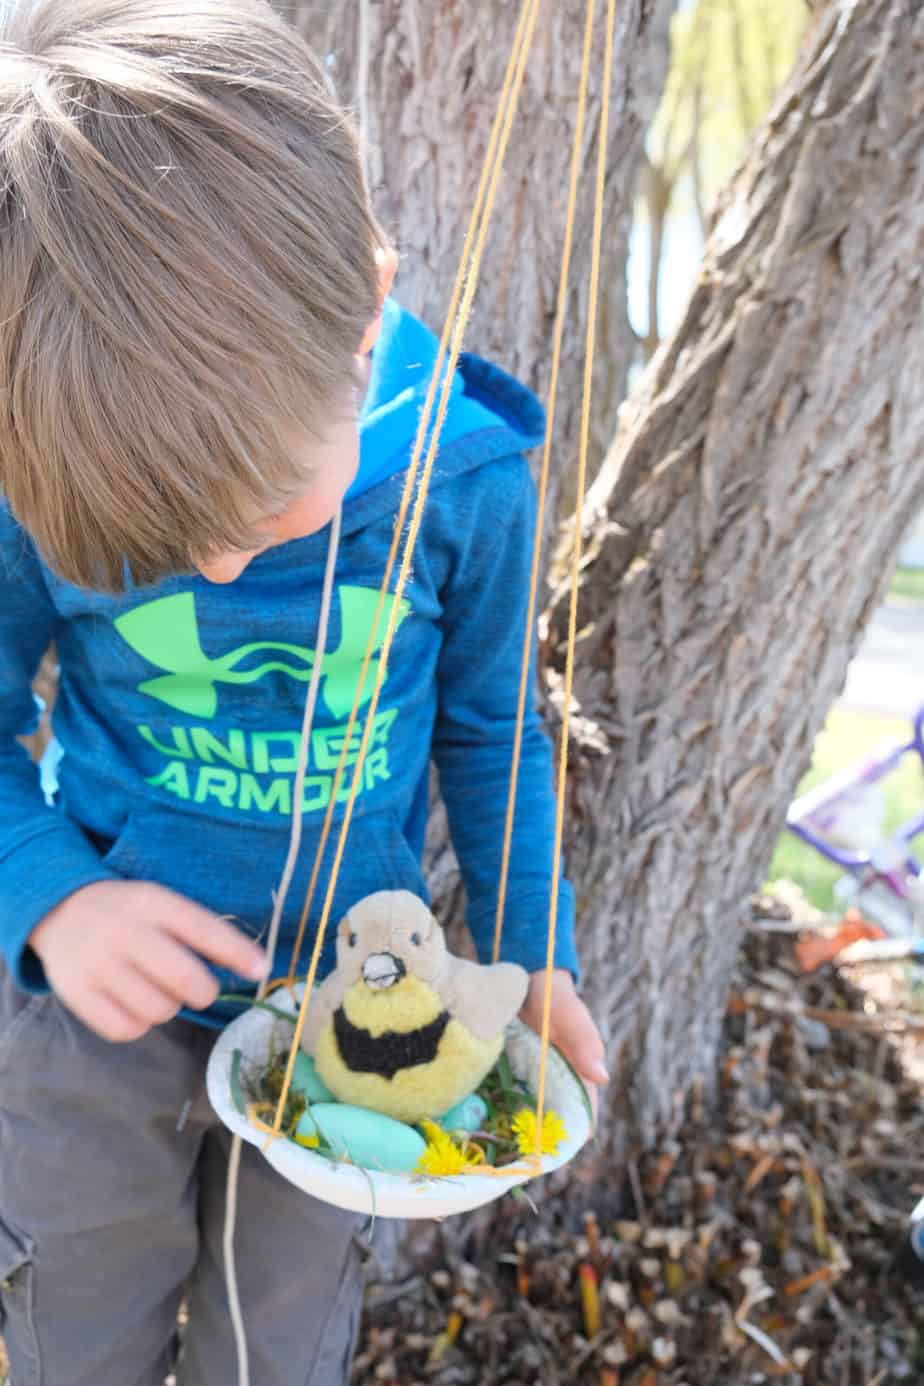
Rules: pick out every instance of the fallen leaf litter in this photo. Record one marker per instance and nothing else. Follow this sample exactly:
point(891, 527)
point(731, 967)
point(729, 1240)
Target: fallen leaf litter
point(761, 1244)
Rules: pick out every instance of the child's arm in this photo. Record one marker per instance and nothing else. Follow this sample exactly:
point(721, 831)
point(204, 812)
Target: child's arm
point(487, 521)
point(122, 955)
point(43, 856)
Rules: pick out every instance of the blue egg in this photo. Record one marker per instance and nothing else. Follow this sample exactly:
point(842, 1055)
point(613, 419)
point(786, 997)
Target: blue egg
point(467, 1115)
point(365, 1138)
point(306, 1079)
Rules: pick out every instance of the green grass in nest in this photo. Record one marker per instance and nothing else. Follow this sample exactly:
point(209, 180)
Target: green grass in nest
point(503, 1094)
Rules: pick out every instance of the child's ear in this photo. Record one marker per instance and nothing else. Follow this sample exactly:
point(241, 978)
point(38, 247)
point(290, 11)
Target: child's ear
point(386, 259)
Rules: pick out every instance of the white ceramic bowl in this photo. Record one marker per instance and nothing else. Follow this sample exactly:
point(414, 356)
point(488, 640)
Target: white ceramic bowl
point(257, 1033)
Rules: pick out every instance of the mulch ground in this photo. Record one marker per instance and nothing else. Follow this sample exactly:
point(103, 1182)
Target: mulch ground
point(766, 1242)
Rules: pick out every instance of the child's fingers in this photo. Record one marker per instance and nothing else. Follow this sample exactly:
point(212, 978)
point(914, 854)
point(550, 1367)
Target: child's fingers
point(139, 997)
point(171, 966)
point(585, 1058)
point(107, 1017)
point(579, 1040)
point(577, 1035)
point(214, 938)
point(572, 1030)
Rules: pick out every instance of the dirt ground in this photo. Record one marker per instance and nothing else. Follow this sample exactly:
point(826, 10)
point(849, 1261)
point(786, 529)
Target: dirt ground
point(766, 1243)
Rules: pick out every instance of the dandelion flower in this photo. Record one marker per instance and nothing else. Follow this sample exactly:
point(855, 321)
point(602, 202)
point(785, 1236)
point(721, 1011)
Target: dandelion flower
point(524, 1128)
point(442, 1156)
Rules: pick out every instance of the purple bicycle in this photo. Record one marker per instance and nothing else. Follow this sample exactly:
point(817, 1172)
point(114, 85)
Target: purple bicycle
point(845, 820)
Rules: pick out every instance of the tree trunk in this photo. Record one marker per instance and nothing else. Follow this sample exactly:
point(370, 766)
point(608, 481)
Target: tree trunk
point(428, 94)
point(739, 536)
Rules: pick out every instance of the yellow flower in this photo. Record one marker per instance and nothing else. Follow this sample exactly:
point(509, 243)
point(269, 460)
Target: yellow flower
point(442, 1155)
point(553, 1132)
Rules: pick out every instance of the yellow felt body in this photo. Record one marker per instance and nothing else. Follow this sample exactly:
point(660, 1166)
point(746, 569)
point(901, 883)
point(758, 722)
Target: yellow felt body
point(430, 1089)
point(404, 1007)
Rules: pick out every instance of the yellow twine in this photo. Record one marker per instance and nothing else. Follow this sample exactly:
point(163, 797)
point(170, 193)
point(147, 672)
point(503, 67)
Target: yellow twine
point(277, 985)
point(454, 329)
point(470, 282)
point(255, 1111)
point(576, 550)
point(408, 491)
point(560, 311)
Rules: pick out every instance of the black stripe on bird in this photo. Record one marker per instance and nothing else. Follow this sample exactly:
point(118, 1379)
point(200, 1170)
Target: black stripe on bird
point(403, 1026)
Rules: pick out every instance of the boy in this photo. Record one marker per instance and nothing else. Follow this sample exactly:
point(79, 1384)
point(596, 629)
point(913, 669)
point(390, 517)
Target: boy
point(191, 284)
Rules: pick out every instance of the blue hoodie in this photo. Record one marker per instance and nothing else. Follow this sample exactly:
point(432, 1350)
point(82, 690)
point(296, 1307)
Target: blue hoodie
point(178, 716)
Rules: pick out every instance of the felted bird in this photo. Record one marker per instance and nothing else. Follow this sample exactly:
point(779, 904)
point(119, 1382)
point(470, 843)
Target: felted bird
point(402, 1026)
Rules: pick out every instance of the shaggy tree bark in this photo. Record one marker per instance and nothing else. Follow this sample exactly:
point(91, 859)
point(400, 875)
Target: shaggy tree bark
point(738, 538)
point(425, 78)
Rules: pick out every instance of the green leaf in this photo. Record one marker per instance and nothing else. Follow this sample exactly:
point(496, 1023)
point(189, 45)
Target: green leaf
point(505, 1074)
point(258, 1005)
point(237, 1092)
point(371, 1183)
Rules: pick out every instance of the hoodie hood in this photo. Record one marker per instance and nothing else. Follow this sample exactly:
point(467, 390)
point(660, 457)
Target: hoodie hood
point(490, 415)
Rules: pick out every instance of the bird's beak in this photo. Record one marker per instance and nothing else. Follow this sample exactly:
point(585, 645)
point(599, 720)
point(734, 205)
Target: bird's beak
point(382, 970)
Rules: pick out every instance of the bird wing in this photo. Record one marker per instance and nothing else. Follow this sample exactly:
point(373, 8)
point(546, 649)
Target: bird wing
point(485, 999)
point(325, 1001)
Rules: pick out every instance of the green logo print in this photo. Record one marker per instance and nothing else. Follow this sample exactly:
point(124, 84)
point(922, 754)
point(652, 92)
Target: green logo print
point(165, 632)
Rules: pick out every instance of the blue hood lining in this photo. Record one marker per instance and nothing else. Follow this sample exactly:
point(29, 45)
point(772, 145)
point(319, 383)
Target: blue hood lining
point(490, 414)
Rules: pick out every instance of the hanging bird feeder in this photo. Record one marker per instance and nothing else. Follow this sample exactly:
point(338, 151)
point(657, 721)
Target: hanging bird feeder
point(319, 1155)
point(250, 1042)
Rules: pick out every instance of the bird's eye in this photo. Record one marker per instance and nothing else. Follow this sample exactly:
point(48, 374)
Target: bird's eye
point(351, 940)
point(415, 939)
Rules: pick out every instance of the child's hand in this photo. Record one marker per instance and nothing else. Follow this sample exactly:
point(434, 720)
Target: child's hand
point(127, 955)
point(571, 1028)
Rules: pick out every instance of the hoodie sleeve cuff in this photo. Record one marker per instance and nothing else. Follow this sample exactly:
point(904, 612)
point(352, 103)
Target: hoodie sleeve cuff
point(525, 935)
point(41, 873)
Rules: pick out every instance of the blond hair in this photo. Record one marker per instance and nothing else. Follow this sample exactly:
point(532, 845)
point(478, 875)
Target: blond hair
point(187, 267)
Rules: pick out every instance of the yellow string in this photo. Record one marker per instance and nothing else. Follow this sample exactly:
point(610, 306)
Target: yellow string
point(277, 985)
point(525, 35)
point(576, 564)
point(564, 275)
point(465, 285)
point(461, 275)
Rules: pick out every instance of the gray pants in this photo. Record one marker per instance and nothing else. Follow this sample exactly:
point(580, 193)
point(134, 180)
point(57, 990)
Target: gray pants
point(108, 1213)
